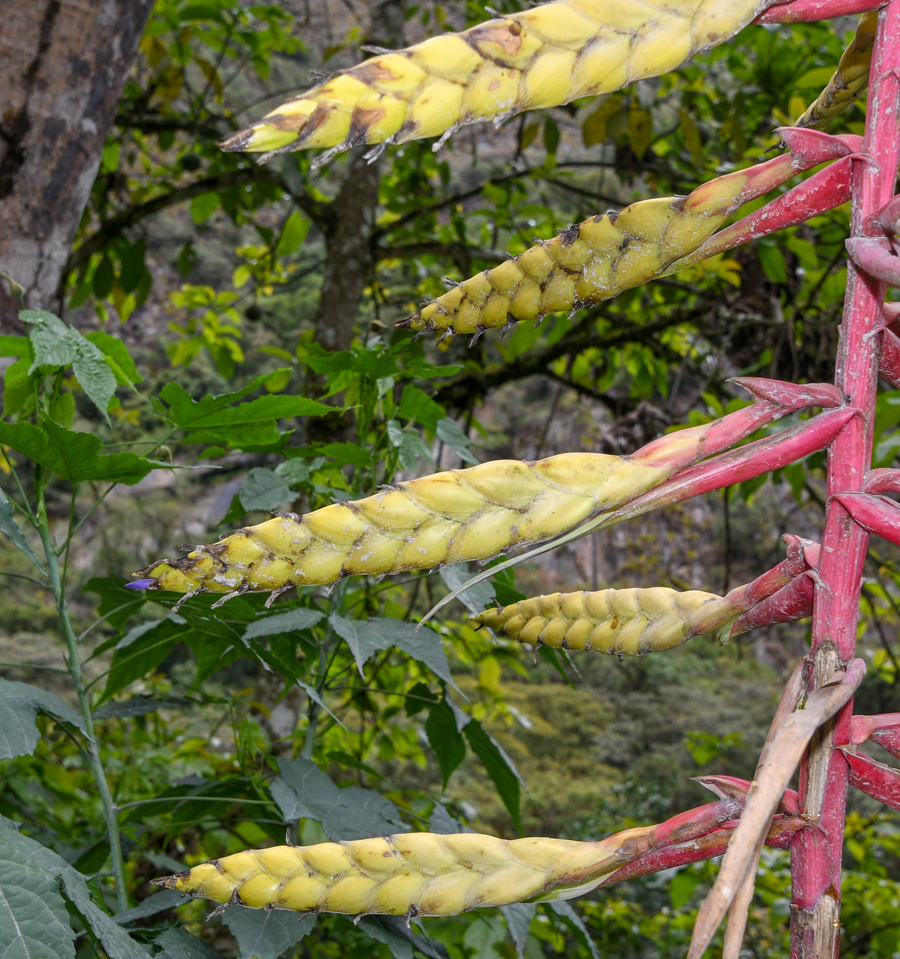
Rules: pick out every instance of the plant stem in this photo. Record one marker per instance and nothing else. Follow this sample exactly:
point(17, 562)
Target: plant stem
point(74, 668)
point(816, 851)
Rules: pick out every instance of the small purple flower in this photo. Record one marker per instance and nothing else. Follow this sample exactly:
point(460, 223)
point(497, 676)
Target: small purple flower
point(142, 584)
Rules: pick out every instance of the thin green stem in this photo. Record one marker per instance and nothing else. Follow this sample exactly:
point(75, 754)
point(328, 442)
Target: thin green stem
point(74, 668)
point(26, 508)
point(30, 579)
point(325, 662)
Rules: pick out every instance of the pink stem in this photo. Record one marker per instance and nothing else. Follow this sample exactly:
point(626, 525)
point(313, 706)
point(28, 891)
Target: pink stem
point(875, 514)
point(874, 255)
point(882, 481)
point(816, 853)
point(874, 778)
point(805, 11)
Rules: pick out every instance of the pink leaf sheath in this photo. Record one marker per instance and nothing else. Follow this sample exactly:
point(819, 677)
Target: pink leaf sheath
point(875, 514)
point(806, 11)
point(873, 778)
point(883, 729)
point(875, 256)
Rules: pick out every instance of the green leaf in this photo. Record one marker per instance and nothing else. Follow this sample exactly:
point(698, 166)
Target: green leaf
point(214, 420)
point(53, 343)
point(203, 207)
point(178, 943)
point(9, 526)
point(264, 490)
point(117, 604)
point(571, 918)
point(103, 278)
point(19, 705)
point(499, 767)
point(293, 234)
point(76, 457)
point(396, 934)
point(450, 432)
point(343, 454)
point(141, 650)
point(476, 598)
point(95, 376)
point(133, 267)
point(266, 933)
point(518, 918)
point(34, 921)
point(117, 356)
point(288, 622)
point(418, 407)
point(445, 739)
point(303, 791)
point(367, 637)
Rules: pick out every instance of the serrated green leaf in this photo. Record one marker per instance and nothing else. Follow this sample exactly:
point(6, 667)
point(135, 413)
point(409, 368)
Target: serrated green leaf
point(266, 933)
point(303, 791)
point(498, 766)
point(9, 526)
point(19, 705)
point(95, 376)
point(445, 739)
point(52, 342)
point(74, 456)
point(180, 944)
point(294, 619)
point(450, 432)
point(264, 489)
point(119, 358)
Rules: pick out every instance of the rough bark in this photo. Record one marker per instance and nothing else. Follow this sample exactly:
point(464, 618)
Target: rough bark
point(351, 215)
point(62, 68)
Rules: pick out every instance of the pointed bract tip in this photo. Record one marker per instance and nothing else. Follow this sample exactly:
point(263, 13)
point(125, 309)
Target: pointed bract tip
point(725, 787)
point(143, 584)
point(790, 396)
point(813, 146)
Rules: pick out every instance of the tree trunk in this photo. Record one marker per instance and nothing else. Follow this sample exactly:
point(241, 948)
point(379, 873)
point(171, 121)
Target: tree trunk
point(62, 68)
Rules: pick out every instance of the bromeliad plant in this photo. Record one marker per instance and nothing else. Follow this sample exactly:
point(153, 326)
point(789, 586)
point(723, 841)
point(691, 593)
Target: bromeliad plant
point(548, 55)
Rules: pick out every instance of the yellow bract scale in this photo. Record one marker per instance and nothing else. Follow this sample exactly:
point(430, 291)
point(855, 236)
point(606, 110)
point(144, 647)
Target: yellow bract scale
point(392, 511)
point(659, 49)
point(506, 42)
point(394, 896)
point(579, 633)
point(636, 263)
point(302, 893)
point(550, 513)
point(376, 857)
point(647, 220)
point(378, 117)
point(570, 255)
point(271, 573)
point(616, 15)
point(339, 524)
point(259, 890)
point(496, 311)
point(713, 21)
point(341, 90)
point(601, 67)
point(478, 289)
point(449, 895)
point(515, 883)
point(283, 535)
point(204, 880)
point(628, 638)
point(624, 603)
point(559, 293)
point(487, 535)
point(373, 553)
point(449, 57)
point(468, 317)
point(392, 73)
point(428, 547)
point(656, 601)
point(554, 631)
point(548, 80)
point(424, 853)
point(506, 277)
point(266, 137)
point(562, 26)
point(297, 108)
point(535, 263)
point(509, 482)
point(334, 129)
point(600, 234)
point(571, 605)
point(435, 106)
point(596, 606)
point(446, 494)
point(238, 867)
point(539, 852)
point(666, 632)
point(282, 862)
point(320, 564)
point(594, 281)
point(328, 859)
point(474, 850)
point(350, 895)
point(493, 90)
point(525, 305)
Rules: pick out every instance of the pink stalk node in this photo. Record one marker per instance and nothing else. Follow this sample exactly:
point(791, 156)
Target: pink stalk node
point(882, 481)
point(888, 217)
point(725, 786)
point(823, 191)
point(792, 602)
point(772, 400)
point(714, 843)
point(747, 462)
point(814, 146)
point(889, 361)
point(875, 514)
point(883, 729)
point(873, 778)
point(874, 256)
point(807, 11)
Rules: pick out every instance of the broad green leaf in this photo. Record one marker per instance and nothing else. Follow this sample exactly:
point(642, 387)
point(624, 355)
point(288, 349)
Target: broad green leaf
point(571, 918)
point(266, 933)
point(203, 207)
point(15, 346)
point(19, 705)
point(301, 618)
point(418, 407)
point(445, 739)
point(118, 357)
point(293, 234)
point(476, 598)
point(398, 936)
point(499, 767)
point(117, 604)
point(9, 526)
point(450, 432)
point(34, 922)
point(367, 637)
point(140, 651)
point(303, 791)
point(178, 943)
point(343, 454)
point(265, 490)
point(518, 918)
point(76, 457)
